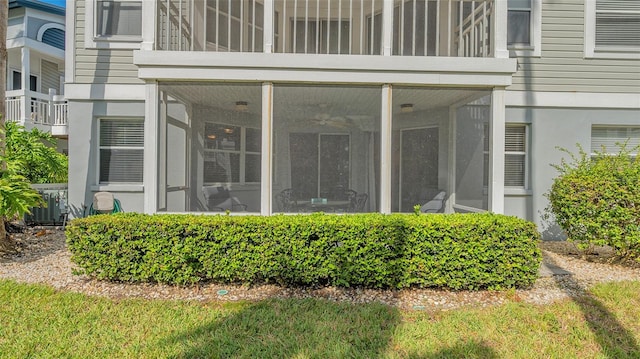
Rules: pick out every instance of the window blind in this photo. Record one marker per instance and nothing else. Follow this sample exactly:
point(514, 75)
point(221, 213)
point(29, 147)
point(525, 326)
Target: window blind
point(121, 150)
point(515, 139)
point(607, 138)
point(515, 156)
point(514, 170)
point(118, 165)
point(618, 23)
point(122, 133)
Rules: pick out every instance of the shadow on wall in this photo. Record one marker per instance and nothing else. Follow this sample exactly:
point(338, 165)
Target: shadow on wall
point(550, 230)
point(77, 211)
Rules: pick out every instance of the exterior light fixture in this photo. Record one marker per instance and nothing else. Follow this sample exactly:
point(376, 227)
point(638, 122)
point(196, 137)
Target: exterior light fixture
point(406, 107)
point(242, 106)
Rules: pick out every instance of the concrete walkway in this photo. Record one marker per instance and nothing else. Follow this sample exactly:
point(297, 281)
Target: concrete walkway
point(548, 270)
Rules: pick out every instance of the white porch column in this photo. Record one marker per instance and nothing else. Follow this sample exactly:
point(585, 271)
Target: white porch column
point(385, 149)
point(151, 152)
point(500, 29)
point(496, 151)
point(387, 27)
point(163, 145)
point(149, 18)
point(268, 27)
point(25, 104)
point(451, 170)
point(267, 149)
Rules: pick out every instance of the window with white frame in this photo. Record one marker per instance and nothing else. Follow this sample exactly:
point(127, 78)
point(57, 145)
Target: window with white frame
point(515, 156)
point(524, 23)
point(16, 81)
point(609, 139)
point(110, 22)
point(232, 154)
point(612, 28)
point(118, 18)
point(515, 153)
point(121, 150)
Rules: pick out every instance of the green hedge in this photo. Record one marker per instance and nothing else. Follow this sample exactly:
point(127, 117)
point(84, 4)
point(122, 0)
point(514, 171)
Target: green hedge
point(470, 251)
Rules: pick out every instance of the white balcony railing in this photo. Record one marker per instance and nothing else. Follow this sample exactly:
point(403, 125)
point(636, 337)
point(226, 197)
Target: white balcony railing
point(36, 108)
point(460, 28)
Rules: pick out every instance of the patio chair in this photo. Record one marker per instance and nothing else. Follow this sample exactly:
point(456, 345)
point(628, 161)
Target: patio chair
point(104, 203)
point(285, 201)
point(219, 199)
point(435, 205)
point(357, 202)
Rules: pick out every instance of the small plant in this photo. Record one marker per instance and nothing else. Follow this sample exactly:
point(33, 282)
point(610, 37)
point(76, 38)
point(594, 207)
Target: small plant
point(416, 209)
point(596, 200)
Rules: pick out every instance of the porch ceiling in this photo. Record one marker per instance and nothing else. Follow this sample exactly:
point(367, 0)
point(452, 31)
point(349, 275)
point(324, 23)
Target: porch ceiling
point(337, 98)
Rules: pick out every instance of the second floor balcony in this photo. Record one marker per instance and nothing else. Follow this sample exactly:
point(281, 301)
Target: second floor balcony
point(452, 28)
point(47, 112)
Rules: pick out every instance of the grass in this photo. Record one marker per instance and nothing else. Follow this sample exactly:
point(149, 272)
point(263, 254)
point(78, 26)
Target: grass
point(36, 321)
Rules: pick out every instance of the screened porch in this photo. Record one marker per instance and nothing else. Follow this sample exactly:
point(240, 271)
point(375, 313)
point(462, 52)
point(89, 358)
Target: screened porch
point(299, 148)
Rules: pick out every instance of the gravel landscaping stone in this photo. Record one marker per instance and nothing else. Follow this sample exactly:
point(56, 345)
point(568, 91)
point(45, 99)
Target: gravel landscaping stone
point(42, 257)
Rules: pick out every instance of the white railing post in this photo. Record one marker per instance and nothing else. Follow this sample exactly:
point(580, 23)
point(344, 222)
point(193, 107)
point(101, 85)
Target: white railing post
point(500, 29)
point(50, 107)
point(25, 77)
point(387, 28)
point(268, 32)
point(149, 16)
point(59, 111)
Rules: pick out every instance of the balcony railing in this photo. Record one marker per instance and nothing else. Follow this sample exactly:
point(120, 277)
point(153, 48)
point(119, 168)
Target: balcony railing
point(460, 28)
point(36, 108)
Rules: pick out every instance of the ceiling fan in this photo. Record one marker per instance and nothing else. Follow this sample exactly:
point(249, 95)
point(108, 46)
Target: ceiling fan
point(325, 119)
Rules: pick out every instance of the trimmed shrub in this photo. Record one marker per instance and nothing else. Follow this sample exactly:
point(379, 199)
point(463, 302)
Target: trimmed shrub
point(596, 201)
point(470, 251)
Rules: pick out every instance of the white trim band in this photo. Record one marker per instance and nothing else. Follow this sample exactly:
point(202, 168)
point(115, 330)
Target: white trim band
point(572, 99)
point(105, 92)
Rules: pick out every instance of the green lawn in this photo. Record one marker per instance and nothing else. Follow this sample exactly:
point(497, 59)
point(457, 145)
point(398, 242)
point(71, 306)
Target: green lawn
point(36, 321)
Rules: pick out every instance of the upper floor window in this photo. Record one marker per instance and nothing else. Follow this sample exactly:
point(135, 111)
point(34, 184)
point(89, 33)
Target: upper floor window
point(16, 81)
point(612, 28)
point(114, 23)
point(52, 34)
point(119, 18)
point(524, 22)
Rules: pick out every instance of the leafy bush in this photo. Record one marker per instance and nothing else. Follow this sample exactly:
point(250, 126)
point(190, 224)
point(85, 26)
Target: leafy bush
point(16, 195)
point(596, 201)
point(35, 153)
point(470, 251)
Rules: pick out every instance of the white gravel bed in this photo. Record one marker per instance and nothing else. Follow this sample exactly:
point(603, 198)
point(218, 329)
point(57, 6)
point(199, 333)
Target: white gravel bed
point(43, 258)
